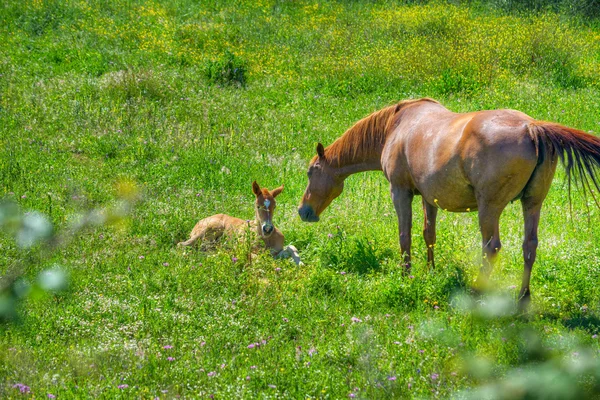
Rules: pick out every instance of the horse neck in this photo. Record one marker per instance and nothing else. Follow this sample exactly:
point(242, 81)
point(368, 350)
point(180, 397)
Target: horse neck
point(373, 164)
point(359, 148)
point(346, 158)
point(274, 241)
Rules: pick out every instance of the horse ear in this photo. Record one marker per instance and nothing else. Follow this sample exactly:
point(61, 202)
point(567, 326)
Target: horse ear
point(276, 192)
point(320, 150)
point(256, 189)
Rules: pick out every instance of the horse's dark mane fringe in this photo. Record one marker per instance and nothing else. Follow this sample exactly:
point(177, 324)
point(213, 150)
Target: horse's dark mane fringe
point(578, 151)
point(367, 136)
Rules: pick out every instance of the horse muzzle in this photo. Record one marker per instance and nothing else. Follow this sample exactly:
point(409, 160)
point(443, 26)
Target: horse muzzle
point(307, 214)
point(267, 229)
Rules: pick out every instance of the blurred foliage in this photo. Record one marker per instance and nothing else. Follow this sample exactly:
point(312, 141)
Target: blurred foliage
point(38, 242)
point(549, 366)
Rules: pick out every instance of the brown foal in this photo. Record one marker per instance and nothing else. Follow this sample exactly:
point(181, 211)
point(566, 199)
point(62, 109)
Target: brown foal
point(214, 227)
point(478, 161)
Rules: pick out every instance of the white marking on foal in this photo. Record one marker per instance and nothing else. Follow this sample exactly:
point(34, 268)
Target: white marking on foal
point(267, 204)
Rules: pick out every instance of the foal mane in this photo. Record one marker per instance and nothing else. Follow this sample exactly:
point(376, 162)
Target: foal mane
point(367, 136)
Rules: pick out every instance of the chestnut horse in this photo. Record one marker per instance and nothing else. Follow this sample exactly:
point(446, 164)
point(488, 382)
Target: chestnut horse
point(478, 161)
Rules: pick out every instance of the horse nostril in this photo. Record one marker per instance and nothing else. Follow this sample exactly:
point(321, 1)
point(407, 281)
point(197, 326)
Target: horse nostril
point(304, 212)
point(308, 214)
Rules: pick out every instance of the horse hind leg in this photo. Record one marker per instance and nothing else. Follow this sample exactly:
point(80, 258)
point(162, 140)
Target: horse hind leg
point(430, 215)
point(533, 196)
point(493, 196)
point(191, 241)
point(531, 216)
point(197, 234)
point(489, 224)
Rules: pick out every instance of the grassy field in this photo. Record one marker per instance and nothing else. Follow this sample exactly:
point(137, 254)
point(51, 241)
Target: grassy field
point(105, 100)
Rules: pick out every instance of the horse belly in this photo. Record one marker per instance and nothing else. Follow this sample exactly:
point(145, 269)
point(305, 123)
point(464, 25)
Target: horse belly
point(437, 172)
point(448, 190)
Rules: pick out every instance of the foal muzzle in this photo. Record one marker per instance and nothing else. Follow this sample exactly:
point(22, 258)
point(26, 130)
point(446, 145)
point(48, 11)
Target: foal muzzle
point(267, 229)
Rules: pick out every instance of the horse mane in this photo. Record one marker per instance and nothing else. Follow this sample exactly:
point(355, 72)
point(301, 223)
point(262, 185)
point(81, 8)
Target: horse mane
point(367, 136)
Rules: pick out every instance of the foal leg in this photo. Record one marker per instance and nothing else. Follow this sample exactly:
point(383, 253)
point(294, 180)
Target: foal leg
point(489, 224)
point(531, 216)
point(191, 241)
point(201, 232)
point(430, 214)
point(402, 199)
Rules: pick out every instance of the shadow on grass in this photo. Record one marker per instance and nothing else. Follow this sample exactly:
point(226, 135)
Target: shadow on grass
point(590, 323)
point(457, 282)
point(350, 253)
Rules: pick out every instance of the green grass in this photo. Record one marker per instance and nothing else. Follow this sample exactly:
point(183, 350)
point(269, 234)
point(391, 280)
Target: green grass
point(97, 93)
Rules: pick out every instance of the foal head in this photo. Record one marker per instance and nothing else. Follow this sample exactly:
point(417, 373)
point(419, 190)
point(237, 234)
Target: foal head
point(323, 186)
point(265, 206)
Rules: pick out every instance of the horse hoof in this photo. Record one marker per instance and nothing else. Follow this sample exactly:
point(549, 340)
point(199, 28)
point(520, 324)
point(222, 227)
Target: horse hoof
point(524, 302)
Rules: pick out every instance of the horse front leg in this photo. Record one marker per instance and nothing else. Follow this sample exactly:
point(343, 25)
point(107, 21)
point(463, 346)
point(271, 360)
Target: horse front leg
point(430, 214)
point(402, 199)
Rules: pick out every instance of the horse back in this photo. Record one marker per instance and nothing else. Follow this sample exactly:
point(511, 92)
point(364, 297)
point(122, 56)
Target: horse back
point(216, 225)
point(451, 158)
point(422, 152)
point(496, 146)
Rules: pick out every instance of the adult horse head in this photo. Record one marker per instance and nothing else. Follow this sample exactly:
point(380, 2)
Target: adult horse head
point(358, 150)
point(324, 185)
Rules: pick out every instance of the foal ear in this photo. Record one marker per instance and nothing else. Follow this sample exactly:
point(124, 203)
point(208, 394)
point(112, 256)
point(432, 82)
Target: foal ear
point(256, 189)
point(276, 192)
point(320, 150)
